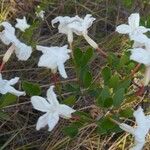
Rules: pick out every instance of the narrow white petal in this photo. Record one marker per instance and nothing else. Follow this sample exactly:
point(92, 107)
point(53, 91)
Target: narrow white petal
point(134, 20)
point(52, 97)
point(61, 69)
point(53, 119)
point(12, 90)
point(123, 29)
point(40, 103)
point(13, 81)
point(127, 128)
point(65, 111)
point(42, 121)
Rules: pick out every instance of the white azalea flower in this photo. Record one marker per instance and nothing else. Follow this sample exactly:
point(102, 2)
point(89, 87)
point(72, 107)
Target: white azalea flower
point(6, 86)
point(139, 132)
point(133, 27)
point(52, 109)
point(53, 58)
point(77, 25)
point(22, 24)
point(40, 14)
point(142, 55)
point(7, 36)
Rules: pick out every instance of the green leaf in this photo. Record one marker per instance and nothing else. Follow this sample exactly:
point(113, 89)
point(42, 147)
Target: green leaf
point(31, 88)
point(108, 102)
point(84, 117)
point(7, 99)
point(87, 78)
point(118, 97)
point(105, 94)
point(127, 112)
point(105, 126)
point(106, 74)
point(78, 56)
point(70, 100)
point(114, 81)
point(86, 57)
point(72, 129)
point(128, 3)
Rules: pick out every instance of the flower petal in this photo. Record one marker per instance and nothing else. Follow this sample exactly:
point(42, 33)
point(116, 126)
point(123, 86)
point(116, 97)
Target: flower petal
point(42, 121)
point(134, 20)
point(51, 96)
point(140, 117)
point(40, 103)
point(12, 90)
point(123, 29)
point(140, 55)
point(13, 81)
point(65, 111)
point(61, 69)
point(127, 128)
point(147, 76)
point(53, 119)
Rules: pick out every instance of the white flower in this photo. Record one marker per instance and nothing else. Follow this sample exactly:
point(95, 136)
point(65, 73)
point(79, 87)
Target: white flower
point(53, 58)
point(77, 25)
point(40, 14)
point(22, 24)
point(142, 55)
point(139, 132)
point(6, 86)
point(7, 36)
point(133, 28)
point(52, 109)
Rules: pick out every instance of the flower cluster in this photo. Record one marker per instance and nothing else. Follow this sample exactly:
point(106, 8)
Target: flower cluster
point(141, 46)
point(55, 57)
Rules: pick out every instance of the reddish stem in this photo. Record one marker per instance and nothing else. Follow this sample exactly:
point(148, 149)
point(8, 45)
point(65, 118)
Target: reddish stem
point(102, 52)
point(2, 66)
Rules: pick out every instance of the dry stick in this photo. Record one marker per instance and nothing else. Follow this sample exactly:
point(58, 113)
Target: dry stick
point(7, 56)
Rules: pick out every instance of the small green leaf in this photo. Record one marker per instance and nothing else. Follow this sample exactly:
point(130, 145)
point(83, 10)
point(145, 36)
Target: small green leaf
point(108, 102)
point(72, 129)
point(87, 78)
point(105, 94)
point(70, 100)
point(118, 97)
point(31, 88)
point(7, 99)
point(78, 56)
point(105, 126)
point(114, 81)
point(106, 74)
point(128, 3)
point(127, 112)
point(84, 117)
point(86, 57)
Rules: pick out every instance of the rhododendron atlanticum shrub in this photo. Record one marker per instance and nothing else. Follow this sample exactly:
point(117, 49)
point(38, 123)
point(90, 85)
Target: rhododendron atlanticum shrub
point(112, 89)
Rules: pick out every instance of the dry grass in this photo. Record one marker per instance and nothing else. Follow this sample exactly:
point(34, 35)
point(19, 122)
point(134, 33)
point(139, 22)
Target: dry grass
point(18, 133)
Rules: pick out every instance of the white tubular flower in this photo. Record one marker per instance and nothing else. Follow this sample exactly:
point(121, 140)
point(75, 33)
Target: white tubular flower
point(6, 86)
point(53, 58)
point(22, 24)
point(7, 36)
point(133, 27)
point(52, 109)
point(23, 51)
point(40, 14)
point(142, 55)
point(140, 131)
point(77, 25)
